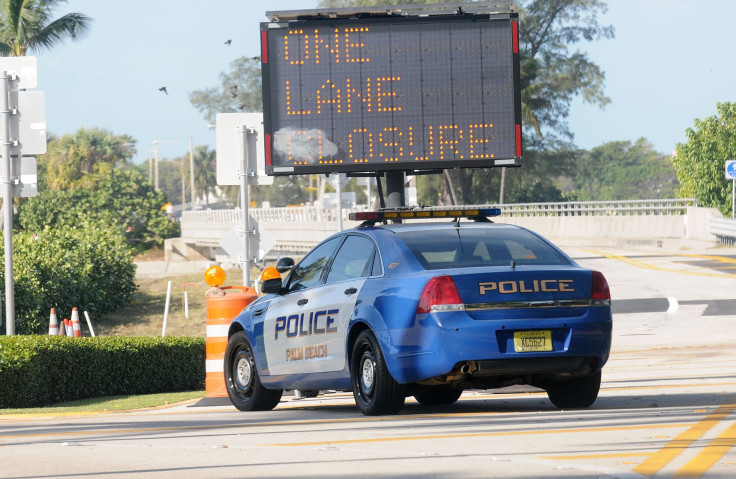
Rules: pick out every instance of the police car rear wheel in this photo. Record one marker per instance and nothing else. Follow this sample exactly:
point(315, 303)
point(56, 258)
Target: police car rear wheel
point(241, 377)
point(574, 393)
point(375, 391)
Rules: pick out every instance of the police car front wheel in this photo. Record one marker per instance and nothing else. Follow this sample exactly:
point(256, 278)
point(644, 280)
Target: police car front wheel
point(375, 391)
point(241, 377)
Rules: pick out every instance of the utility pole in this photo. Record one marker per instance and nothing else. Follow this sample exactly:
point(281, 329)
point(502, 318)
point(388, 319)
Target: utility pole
point(191, 170)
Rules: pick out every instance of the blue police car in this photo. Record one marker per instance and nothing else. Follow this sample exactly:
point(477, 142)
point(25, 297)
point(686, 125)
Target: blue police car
point(423, 309)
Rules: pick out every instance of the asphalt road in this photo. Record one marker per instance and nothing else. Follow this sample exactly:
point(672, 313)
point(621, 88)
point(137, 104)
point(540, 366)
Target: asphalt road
point(667, 408)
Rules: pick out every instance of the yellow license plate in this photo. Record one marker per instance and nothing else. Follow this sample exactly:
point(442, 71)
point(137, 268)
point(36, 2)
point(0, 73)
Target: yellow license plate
point(532, 341)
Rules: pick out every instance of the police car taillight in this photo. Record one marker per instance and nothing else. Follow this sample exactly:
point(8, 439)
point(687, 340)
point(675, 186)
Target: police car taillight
point(440, 294)
point(599, 292)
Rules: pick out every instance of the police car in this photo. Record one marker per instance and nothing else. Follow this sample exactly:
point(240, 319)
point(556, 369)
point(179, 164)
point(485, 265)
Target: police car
point(427, 310)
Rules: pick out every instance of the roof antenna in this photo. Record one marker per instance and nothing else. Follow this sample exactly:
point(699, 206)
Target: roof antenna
point(513, 264)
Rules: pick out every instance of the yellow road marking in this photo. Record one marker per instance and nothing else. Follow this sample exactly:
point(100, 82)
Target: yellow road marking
point(535, 432)
point(712, 453)
point(665, 386)
point(676, 446)
point(643, 265)
point(618, 455)
point(722, 259)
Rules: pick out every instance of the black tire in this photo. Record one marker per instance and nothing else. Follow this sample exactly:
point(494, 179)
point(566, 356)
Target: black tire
point(375, 391)
point(574, 393)
point(438, 396)
point(241, 377)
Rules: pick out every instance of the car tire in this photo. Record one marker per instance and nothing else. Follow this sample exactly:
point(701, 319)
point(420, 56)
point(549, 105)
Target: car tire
point(241, 377)
point(438, 396)
point(375, 391)
point(574, 393)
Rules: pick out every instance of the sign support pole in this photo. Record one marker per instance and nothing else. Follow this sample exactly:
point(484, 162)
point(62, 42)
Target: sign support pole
point(395, 189)
point(339, 203)
point(7, 189)
point(244, 201)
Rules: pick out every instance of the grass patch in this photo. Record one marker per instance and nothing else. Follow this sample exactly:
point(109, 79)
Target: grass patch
point(110, 404)
point(144, 316)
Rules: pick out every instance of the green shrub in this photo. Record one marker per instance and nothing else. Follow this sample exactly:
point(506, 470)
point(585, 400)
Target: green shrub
point(90, 267)
point(42, 370)
point(123, 199)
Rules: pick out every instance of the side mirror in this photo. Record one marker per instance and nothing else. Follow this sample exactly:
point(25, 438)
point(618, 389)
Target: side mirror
point(284, 265)
point(270, 281)
point(271, 286)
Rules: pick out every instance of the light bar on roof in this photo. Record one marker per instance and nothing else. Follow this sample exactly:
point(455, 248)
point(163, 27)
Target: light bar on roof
point(383, 215)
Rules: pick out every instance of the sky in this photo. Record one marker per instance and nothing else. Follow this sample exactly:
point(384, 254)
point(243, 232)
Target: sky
point(670, 63)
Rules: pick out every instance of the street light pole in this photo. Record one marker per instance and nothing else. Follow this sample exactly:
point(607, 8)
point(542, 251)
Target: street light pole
point(191, 169)
point(183, 184)
point(155, 164)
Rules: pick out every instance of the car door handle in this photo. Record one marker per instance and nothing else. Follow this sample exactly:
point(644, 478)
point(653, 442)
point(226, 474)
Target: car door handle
point(302, 301)
point(351, 290)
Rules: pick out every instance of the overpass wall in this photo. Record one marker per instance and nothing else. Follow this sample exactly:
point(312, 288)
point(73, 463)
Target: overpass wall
point(298, 230)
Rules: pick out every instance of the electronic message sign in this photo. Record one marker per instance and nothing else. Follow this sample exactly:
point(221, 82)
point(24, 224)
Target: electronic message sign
point(391, 93)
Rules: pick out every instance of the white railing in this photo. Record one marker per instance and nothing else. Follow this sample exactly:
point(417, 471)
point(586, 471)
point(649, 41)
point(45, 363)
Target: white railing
point(300, 228)
point(724, 230)
point(600, 208)
point(570, 208)
point(266, 215)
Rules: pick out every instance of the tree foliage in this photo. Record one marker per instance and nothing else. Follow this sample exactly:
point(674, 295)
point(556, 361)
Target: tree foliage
point(86, 265)
point(205, 172)
point(700, 161)
point(620, 170)
point(29, 25)
point(483, 186)
point(77, 160)
point(239, 90)
point(122, 199)
point(552, 75)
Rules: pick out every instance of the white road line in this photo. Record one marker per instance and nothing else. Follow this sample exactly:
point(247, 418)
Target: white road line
point(673, 305)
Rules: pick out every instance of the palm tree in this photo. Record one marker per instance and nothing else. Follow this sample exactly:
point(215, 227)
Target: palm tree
point(28, 24)
point(205, 176)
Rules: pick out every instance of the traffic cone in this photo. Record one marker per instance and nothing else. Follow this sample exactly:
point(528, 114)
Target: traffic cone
point(68, 328)
point(76, 330)
point(53, 324)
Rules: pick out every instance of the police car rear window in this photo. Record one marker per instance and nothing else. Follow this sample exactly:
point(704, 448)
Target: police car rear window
point(471, 247)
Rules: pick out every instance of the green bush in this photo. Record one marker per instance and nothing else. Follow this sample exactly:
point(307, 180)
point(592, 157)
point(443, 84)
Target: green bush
point(123, 199)
point(90, 267)
point(38, 371)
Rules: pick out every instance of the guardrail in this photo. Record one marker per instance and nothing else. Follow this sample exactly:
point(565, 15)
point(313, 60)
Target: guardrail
point(600, 208)
point(570, 208)
point(724, 230)
point(265, 215)
point(297, 229)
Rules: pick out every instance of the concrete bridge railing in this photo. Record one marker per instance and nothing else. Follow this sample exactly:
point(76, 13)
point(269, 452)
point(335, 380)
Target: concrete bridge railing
point(651, 222)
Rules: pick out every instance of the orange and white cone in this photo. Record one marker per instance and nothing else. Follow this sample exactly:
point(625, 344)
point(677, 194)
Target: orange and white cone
point(68, 328)
point(53, 324)
point(77, 331)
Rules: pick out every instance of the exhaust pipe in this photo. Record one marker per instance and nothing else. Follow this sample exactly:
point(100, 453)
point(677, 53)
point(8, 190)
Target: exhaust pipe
point(459, 374)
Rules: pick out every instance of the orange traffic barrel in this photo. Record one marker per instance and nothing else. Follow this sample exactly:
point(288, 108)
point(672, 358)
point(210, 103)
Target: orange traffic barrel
point(221, 310)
